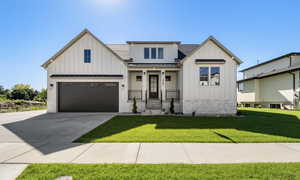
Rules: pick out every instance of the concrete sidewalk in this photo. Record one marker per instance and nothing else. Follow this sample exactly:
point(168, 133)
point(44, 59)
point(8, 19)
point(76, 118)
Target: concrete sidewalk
point(194, 153)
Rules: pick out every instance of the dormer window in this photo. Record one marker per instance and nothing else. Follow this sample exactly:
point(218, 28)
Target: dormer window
point(146, 53)
point(153, 53)
point(160, 53)
point(87, 56)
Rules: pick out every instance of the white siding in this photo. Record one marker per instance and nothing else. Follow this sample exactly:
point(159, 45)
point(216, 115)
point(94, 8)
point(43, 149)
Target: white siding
point(133, 84)
point(136, 51)
point(72, 62)
point(248, 94)
point(173, 83)
point(279, 64)
point(277, 88)
point(209, 99)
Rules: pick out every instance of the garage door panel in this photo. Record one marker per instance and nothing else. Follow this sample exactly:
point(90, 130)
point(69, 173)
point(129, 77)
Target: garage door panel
point(88, 97)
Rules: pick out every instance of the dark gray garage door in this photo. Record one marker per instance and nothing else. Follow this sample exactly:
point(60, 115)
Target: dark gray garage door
point(88, 97)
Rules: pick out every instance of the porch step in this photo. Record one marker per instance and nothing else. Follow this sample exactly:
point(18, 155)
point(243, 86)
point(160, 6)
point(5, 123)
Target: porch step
point(152, 112)
point(153, 104)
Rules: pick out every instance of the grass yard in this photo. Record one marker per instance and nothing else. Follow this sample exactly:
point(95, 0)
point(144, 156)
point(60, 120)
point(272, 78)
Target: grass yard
point(258, 125)
point(272, 171)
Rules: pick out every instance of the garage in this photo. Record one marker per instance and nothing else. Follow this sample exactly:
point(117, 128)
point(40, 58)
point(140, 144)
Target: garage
point(88, 97)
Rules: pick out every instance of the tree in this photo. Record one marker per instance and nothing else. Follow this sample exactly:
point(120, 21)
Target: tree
point(22, 91)
point(42, 96)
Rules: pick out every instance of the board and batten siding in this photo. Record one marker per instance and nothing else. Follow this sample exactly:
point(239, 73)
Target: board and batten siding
point(209, 99)
point(71, 61)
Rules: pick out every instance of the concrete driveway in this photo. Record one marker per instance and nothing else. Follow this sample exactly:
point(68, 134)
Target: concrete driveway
point(44, 134)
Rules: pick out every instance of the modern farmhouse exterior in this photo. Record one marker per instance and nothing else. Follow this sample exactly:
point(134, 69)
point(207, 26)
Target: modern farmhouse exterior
point(89, 76)
point(273, 84)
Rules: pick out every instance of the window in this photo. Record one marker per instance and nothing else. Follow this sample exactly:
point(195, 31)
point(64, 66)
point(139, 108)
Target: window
point(168, 78)
point(241, 87)
point(138, 78)
point(87, 56)
point(204, 76)
point(215, 76)
point(153, 53)
point(160, 53)
point(275, 106)
point(146, 53)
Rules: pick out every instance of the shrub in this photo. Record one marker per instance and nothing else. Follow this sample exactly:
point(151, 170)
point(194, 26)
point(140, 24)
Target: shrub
point(134, 107)
point(172, 106)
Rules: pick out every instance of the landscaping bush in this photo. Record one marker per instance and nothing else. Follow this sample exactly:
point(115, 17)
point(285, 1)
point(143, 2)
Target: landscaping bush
point(172, 106)
point(134, 107)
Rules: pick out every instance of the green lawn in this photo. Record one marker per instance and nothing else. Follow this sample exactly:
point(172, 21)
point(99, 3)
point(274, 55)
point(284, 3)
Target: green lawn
point(258, 125)
point(263, 171)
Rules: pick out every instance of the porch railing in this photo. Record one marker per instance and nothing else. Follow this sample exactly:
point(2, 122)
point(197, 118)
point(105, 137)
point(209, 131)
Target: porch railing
point(172, 94)
point(137, 94)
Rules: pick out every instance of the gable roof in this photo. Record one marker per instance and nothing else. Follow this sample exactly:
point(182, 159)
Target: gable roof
point(220, 45)
point(274, 59)
point(74, 40)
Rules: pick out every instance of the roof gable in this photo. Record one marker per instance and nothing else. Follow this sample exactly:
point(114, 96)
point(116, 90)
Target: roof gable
point(73, 41)
point(218, 44)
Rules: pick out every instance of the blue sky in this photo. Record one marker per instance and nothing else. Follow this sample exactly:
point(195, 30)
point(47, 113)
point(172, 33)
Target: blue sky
point(33, 30)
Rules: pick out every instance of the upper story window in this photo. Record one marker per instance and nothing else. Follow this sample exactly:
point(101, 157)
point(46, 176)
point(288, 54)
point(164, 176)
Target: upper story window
point(160, 53)
point(153, 53)
point(146, 53)
point(210, 76)
point(87, 56)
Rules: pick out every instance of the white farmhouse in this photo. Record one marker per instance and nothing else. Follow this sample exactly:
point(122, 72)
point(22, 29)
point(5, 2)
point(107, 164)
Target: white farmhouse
point(89, 76)
point(272, 84)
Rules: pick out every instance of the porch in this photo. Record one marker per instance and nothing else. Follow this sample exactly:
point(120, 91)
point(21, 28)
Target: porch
point(154, 85)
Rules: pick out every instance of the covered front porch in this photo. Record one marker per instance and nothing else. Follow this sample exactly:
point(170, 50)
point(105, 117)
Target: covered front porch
point(154, 85)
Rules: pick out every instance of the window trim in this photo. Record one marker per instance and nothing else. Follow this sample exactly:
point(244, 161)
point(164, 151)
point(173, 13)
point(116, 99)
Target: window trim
point(152, 53)
point(137, 78)
point(201, 84)
point(162, 53)
point(209, 75)
point(168, 76)
point(147, 48)
point(87, 55)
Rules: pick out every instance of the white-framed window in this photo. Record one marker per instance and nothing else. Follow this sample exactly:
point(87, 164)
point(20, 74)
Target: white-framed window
point(204, 76)
point(153, 53)
point(215, 76)
point(241, 86)
point(210, 75)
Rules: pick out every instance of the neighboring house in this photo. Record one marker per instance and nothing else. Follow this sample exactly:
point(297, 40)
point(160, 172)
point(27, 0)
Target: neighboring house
point(273, 83)
point(90, 76)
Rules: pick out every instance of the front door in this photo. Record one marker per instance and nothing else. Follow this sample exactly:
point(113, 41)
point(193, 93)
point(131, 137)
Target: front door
point(153, 86)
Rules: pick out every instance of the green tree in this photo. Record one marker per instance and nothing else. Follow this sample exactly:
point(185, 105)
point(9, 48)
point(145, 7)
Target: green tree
point(22, 91)
point(42, 96)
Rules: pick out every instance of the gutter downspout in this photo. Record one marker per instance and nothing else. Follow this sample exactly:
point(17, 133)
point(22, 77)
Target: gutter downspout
point(294, 88)
point(294, 84)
